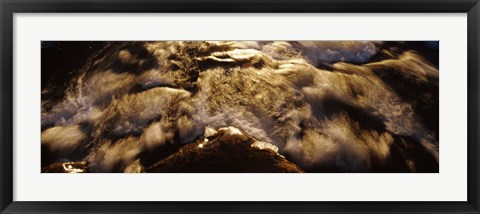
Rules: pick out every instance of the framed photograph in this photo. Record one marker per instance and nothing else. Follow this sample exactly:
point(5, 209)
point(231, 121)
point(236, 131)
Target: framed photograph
point(255, 107)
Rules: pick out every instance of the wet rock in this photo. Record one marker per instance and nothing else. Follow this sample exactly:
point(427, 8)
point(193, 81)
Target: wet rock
point(228, 151)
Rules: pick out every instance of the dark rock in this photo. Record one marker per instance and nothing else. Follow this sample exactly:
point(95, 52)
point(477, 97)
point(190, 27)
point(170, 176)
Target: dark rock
point(226, 152)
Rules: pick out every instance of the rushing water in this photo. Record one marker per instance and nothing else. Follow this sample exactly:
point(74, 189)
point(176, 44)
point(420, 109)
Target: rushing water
point(351, 106)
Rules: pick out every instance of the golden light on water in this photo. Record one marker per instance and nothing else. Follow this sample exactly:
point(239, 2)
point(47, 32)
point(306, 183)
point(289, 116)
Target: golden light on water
point(328, 106)
point(75, 167)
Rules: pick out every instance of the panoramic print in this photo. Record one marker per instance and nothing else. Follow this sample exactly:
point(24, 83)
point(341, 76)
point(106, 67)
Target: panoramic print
point(239, 107)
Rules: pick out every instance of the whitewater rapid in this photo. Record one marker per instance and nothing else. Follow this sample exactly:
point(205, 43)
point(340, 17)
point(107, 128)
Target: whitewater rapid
point(325, 106)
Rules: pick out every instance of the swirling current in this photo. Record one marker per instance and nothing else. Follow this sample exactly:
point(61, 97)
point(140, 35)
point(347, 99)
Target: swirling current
point(320, 106)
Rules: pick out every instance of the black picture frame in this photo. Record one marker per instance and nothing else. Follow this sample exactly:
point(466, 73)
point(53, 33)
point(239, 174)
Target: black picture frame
point(9, 7)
